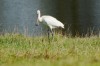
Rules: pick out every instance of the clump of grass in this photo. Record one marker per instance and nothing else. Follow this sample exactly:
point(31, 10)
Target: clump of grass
point(19, 50)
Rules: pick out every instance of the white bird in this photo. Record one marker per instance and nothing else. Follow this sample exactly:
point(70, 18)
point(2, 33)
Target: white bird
point(50, 21)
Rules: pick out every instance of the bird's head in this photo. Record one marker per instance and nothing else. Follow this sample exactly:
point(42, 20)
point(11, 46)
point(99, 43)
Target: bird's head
point(39, 18)
point(38, 11)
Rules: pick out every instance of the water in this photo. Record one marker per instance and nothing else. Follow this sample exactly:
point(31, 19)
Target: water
point(20, 15)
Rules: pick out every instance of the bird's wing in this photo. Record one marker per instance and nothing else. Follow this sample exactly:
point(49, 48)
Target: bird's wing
point(51, 21)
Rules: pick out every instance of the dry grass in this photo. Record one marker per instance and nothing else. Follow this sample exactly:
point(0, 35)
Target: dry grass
point(18, 50)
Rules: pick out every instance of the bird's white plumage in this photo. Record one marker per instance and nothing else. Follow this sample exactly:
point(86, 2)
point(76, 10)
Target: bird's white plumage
point(49, 21)
point(52, 22)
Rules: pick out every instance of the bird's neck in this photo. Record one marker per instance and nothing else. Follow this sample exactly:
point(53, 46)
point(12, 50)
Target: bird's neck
point(39, 17)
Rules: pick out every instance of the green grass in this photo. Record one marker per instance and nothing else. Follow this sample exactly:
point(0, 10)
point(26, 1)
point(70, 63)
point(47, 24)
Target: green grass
point(19, 50)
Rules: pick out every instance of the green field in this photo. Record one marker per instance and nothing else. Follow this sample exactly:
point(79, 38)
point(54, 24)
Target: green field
point(19, 50)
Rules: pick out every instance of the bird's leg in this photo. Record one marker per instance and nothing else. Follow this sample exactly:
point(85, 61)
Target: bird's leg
point(49, 35)
point(52, 33)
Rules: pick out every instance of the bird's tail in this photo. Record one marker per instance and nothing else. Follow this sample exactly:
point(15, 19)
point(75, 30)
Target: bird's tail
point(62, 26)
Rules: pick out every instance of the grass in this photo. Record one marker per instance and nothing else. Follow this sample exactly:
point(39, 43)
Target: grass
point(19, 50)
